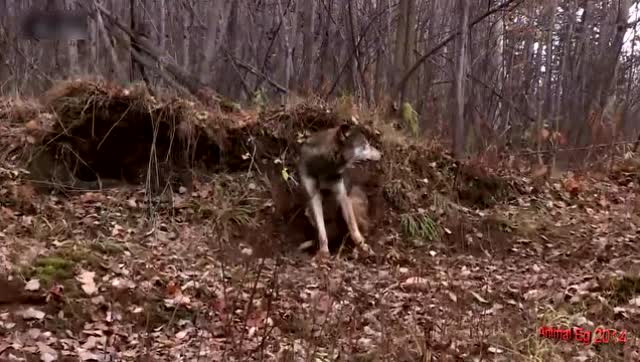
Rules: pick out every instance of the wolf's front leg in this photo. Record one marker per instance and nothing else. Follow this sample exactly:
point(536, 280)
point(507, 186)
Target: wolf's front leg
point(350, 218)
point(317, 214)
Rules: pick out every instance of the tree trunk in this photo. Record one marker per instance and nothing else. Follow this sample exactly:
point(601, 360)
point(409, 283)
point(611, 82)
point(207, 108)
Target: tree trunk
point(308, 22)
point(459, 125)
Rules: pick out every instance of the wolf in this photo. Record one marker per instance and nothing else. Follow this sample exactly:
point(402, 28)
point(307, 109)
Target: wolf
point(324, 158)
point(332, 214)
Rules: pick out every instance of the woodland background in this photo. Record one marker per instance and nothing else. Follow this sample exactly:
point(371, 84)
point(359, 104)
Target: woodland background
point(553, 73)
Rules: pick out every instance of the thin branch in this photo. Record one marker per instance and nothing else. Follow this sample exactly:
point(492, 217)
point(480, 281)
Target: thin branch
point(257, 73)
point(357, 46)
point(448, 39)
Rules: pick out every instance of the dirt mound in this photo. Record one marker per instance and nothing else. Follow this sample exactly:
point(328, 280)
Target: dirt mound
point(93, 134)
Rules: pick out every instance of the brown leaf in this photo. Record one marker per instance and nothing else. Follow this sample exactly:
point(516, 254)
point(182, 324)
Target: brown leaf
point(539, 171)
point(171, 288)
point(32, 125)
point(85, 355)
point(32, 285)
point(416, 283)
point(55, 292)
point(544, 134)
point(479, 298)
point(87, 283)
point(572, 186)
point(47, 354)
point(31, 313)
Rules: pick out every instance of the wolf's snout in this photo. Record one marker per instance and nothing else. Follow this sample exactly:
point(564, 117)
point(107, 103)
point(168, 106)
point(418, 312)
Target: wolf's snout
point(374, 154)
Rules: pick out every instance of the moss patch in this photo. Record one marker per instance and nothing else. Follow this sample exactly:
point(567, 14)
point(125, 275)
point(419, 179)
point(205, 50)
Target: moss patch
point(52, 268)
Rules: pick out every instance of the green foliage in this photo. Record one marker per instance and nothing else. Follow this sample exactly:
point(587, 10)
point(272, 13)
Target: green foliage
point(260, 99)
point(420, 226)
point(52, 268)
point(410, 118)
point(240, 215)
point(285, 174)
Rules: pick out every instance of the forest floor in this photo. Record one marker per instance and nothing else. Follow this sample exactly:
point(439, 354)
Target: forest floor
point(119, 275)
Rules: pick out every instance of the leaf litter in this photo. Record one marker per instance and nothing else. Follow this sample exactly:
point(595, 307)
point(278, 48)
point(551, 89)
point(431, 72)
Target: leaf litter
point(194, 281)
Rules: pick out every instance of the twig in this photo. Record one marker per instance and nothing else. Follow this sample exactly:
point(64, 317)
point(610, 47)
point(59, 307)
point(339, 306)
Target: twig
point(601, 145)
point(115, 124)
point(446, 41)
point(258, 73)
point(354, 50)
point(234, 64)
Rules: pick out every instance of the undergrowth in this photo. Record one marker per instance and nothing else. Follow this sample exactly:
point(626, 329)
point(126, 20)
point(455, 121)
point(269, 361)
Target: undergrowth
point(420, 227)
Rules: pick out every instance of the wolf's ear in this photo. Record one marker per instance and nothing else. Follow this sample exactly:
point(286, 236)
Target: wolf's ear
point(343, 132)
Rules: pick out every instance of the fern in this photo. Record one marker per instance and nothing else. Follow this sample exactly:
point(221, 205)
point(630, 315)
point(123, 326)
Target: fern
point(420, 226)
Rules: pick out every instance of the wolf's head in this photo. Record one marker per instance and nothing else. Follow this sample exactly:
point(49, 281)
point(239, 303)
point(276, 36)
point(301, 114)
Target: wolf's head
point(355, 147)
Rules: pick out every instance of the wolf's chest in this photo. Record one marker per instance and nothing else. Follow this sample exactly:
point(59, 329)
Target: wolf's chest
point(326, 171)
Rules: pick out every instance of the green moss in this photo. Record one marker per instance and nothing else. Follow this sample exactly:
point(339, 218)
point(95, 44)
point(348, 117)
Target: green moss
point(52, 268)
point(61, 265)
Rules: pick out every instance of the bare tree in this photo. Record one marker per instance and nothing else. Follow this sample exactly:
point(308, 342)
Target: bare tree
point(308, 48)
point(565, 62)
point(461, 65)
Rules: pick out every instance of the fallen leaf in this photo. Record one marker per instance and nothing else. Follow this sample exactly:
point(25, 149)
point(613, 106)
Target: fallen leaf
point(34, 333)
point(90, 197)
point(417, 283)
point(544, 134)
point(7, 213)
point(479, 298)
point(182, 334)
point(91, 342)
point(365, 343)
point(56, 291)
point(178, 299)
point(171, 288)
point(572, 186)
point(47, 354)
point(539, 171)
point(85, 355)
point(533, 294)
point(32, 285)
point(32, 125)
point(87, 283)
point(31, 313)
point(116, 230)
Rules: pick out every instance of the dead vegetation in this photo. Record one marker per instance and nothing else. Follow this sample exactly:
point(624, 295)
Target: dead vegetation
point(471, 261)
